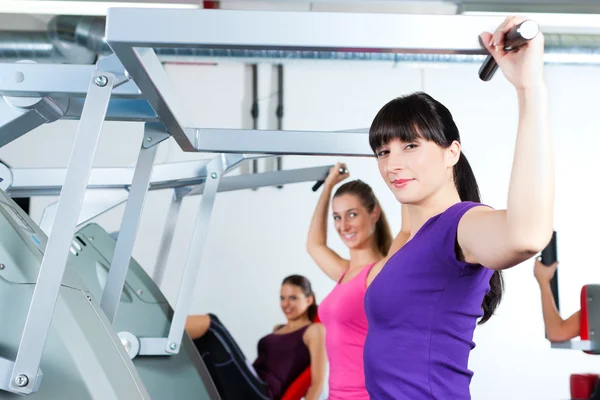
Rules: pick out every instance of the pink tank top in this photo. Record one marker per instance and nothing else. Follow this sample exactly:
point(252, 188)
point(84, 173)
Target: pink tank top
point(342, 313)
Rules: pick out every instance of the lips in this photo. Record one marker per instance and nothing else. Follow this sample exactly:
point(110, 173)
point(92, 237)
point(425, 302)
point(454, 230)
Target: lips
point(400, 183)
point(349, 236)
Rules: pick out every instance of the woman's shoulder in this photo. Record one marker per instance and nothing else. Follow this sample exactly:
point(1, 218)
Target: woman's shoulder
point(315, 331)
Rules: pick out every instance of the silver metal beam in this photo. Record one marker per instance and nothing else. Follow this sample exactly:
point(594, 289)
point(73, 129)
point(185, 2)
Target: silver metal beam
point(214, 169)
point(267, 179)
point(28, 182)
point(115, 281)
point(271, 30)
point(583, 345)
point(145, 68)
point(166, 240)
point(33, 339)
point(281, 142)
point(60, 80)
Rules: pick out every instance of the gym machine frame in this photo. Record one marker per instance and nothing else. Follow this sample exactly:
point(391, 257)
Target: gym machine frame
point(131, 85)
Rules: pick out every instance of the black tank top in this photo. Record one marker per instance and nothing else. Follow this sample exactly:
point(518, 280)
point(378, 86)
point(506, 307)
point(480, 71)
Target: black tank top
point(281, 359)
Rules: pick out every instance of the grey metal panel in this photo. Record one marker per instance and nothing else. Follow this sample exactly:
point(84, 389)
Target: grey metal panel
point(83, 357)
point(144, 312)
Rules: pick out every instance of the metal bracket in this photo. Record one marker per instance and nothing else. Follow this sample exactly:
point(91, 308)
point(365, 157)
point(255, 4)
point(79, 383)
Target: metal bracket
point(24, 377)
point(154, 133)
point(113, 65)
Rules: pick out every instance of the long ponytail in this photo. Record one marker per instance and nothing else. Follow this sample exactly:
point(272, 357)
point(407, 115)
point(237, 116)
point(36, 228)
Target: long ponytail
point(468, 190)
point(383, 233)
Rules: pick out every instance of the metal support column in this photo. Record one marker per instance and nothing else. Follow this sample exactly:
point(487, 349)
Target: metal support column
point(167, 238)
point(131, 220)
point(23, 379)
point(214, 171)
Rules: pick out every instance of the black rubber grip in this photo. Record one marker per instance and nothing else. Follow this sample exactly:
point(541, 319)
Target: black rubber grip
point(317, 185)
point(549, 257)
point(515, 38)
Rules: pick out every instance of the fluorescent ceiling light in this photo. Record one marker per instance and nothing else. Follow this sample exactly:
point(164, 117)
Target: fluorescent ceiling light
point(553, 22)
point(78, 7)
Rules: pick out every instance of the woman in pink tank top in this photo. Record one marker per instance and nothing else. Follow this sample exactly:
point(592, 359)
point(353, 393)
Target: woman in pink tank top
point(363, 227)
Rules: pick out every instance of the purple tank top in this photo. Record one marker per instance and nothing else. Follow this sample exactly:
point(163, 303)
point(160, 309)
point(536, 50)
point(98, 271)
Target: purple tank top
point(422, 310)
point(281, 359)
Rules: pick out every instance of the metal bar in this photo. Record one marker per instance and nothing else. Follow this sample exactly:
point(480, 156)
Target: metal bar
point(145, 68)
point(67, 81)
point(151, 346)
point(167, 238)
point(49, 181)
point(194, 259)
point(584, 345)
point(272, 30)
point(27, 182)
point(128, 231)
point(282, 142)
point(15, 123)
point(135, 110)
point(267, 179)
point(57, 250)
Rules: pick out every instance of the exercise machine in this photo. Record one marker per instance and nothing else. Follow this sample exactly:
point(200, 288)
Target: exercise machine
point(143, 313)
point(83, 357)
point(143, 319)
point(132, 85)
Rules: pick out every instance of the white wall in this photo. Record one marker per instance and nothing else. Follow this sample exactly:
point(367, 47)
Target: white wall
point(257, 237)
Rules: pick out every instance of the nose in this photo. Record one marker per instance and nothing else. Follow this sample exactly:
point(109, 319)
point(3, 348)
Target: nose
point(394, 161)
point(345, 225)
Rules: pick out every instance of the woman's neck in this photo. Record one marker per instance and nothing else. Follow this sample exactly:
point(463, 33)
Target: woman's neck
point(420, 213)
point(298, 323)
point(364, 256)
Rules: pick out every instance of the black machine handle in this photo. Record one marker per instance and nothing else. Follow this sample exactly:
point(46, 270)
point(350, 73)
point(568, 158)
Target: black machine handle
point(317, 185)
point(515, 38)
point(549, 257)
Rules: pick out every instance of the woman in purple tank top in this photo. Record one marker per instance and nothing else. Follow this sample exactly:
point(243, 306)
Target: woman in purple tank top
point(283, 355)
point(424, 301)
point(362, 226)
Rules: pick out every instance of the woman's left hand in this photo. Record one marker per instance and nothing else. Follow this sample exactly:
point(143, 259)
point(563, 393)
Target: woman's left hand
point(524, 67)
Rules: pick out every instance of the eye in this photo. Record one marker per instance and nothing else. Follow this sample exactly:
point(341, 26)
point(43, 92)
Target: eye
point(353, 214)
point(336, 217)
point(411, 146)
point(382, 153)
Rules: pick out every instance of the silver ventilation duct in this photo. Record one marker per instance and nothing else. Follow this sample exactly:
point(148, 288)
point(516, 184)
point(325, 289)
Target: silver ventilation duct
point(80, 40)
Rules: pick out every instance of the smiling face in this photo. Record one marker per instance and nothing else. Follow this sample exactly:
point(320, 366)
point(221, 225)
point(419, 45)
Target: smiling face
point(417, 145)
point(353, 222)
point(416, 170)
point(294, 303)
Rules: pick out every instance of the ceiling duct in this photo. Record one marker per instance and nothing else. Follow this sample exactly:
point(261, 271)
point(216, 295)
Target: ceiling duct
point(80, 40)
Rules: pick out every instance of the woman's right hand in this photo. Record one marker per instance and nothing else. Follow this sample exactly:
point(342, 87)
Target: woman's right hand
point(544, 273)
point(334, 176)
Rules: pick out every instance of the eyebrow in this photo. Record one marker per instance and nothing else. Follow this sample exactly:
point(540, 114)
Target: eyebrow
point(347, 211)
